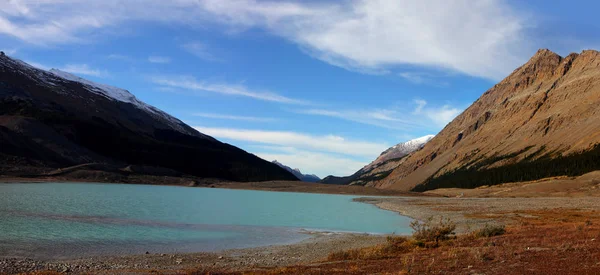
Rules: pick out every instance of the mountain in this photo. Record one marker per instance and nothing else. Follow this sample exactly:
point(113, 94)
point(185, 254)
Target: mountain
point(387, 161)
point(296, 172)
point(540, 121)
point(52, 119)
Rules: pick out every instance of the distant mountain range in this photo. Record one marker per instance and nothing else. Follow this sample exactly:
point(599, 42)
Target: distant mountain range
point(541, 121)
point(296, 172)
point(383, 165)
point(53, 119)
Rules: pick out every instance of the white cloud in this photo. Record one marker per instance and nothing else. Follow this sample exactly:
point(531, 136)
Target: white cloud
point(480, 38)
point(441, 115)
point(9, 51)
point(310, 162)
point(325, 143)
point(381, 117)
point(422, 117)
point(233, 117)
point(191, 84)
point(424, 78)
point(159, 59)
point(420, 105)
point(322, 155)
point(120, 57)
point(84, 69)
point(200, 50)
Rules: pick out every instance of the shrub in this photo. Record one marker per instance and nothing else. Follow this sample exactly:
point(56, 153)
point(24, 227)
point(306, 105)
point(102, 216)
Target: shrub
point(429, 231)
point(490, 231)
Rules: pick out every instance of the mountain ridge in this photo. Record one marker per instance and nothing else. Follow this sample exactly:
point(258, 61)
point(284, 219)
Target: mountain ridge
point(382, 166)
point(296, 172)
point(544, 110)
point(51, 120)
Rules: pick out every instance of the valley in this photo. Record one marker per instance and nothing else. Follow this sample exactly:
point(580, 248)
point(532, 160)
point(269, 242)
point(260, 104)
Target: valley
point(521, 162)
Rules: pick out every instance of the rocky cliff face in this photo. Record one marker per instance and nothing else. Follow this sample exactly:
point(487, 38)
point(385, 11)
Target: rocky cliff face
point(543, 116)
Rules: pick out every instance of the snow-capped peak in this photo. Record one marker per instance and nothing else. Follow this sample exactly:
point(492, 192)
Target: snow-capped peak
point(415, 142)
point(113, 93)
point(103, 89)
point(122, 95)
point(400, 150)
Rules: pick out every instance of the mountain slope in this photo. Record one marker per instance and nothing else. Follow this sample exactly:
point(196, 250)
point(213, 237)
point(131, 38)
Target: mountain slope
point(540, 121)
point(387, 161)
point(296, 172)
point(53, 119)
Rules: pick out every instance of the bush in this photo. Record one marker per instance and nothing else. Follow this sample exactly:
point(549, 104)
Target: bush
point(490, 231)
point(429, 231)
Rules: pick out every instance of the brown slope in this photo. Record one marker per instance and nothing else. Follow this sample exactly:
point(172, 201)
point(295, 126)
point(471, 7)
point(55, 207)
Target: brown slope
point(549, 107)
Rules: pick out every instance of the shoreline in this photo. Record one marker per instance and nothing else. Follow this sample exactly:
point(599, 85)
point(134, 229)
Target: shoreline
point(313, 249)
point(272, 186)
point(468, 213)
point(316, 247)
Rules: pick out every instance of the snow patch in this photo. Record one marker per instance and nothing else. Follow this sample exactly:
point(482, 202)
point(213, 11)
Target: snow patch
point(54, 76)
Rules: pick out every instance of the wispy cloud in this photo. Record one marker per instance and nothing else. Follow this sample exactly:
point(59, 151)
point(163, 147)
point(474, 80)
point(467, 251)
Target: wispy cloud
point(159, 59)
point(120, 57)
point(191, 84)
point(324, 143)
point(310, 162)
point(200, 50)
point(483, 38)
point(424, 78)
point(9, 51)
point(418, 116)
point(440, 115)
point(84, 69)
point(234, 117)
point(318, 154)
point(381, 118)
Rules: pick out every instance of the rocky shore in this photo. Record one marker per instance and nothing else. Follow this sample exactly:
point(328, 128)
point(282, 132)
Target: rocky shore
point(308, 251)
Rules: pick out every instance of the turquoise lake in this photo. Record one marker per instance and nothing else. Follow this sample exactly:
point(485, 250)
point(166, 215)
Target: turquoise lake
point(65, 220)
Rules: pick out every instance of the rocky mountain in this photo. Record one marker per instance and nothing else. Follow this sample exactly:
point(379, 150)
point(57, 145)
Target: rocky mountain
point(387, 161)
point(540, 121)
point(52, 119)
point(296, 172)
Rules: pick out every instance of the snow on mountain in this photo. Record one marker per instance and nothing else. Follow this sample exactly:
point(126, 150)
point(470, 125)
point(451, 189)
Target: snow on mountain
point(52, 76)
point(122, 95)
point(298, 174)
point(400, 150)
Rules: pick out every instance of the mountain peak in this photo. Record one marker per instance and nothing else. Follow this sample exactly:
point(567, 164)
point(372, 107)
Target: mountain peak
point(545, 108)
point(296, 172)
point(53, 119)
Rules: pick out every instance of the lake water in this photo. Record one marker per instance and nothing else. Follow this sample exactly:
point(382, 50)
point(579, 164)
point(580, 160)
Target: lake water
point(64, 220)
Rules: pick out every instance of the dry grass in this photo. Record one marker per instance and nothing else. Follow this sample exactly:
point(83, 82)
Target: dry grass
point(554, 242)
point(393, 247)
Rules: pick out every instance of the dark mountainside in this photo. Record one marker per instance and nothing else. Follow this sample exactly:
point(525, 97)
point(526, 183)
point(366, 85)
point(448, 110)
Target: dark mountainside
point(51, 120)
point(541, 121)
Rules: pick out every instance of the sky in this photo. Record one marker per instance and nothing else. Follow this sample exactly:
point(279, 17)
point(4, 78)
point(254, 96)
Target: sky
point(323, 86)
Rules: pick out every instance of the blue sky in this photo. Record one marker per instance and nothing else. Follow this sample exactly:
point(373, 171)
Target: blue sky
point(321, 86)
